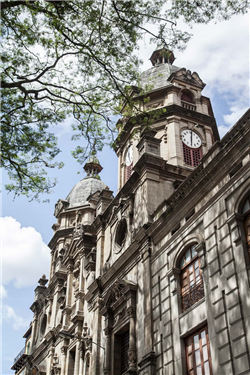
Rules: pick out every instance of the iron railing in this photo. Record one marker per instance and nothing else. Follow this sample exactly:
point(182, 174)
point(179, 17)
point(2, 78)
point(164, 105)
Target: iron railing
point(19, 355)
point(192, 295)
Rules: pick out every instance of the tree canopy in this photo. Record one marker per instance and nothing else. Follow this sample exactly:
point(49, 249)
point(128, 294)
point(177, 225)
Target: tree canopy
point(77, 59)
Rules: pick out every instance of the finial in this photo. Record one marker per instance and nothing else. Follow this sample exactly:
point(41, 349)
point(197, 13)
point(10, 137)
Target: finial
point(43, 280)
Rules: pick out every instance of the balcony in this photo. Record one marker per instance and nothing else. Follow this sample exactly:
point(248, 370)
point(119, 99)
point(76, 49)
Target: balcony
point(192, 295)
point(19, 360)
point(188, 105)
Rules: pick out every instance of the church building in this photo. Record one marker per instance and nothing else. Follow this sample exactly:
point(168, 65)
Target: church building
point(156, 279)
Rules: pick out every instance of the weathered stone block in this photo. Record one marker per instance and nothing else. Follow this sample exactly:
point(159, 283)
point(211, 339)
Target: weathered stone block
point(220, 323)
point(230, 284)
point(241, 365)
point(234, 314)
point(239, 347)
point(167, 329)
point(218, 308)
point(236, 330)
point(212, 254)
point(222, 338)
point(229, 270)
point(213, 267)
point(227, 256)
point(232, 299)
point(224, 355)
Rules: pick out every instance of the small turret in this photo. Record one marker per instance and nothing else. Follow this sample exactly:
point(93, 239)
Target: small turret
point(92, 167)
point(162, 55)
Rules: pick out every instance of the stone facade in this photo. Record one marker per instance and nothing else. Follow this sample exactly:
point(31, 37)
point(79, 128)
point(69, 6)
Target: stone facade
point(156, 279)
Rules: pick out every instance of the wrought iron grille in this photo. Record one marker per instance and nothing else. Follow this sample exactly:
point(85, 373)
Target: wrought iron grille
point(19, 355)
point(124, 351)
point(192, 295)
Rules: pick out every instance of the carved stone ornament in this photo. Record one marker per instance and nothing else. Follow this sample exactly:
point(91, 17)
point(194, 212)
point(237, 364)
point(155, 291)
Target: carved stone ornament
point(58, 207)
point(155, 105)
point(55, 369)
point(78, 231)
point(132, 358)
point(120, 315)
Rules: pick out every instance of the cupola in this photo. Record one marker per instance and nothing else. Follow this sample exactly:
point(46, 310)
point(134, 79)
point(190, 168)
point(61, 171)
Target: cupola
point(162, 55)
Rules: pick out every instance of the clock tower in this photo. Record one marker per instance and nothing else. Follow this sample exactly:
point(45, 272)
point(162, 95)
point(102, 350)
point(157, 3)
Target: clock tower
point(181, 117)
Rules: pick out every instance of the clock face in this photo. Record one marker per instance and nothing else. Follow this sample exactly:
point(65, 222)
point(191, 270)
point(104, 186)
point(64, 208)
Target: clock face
point(129, 156)
point(190, 138)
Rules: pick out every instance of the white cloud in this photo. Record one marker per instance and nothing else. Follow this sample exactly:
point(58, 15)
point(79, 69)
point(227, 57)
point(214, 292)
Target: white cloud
point(10, 316)
point(25, 257)
point(3, 292)
point(236, 113)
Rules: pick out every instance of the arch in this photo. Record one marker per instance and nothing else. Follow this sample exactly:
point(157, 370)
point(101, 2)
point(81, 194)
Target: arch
point(240, 201)
point(43, 324)
point(121, 232)
point(191, 239)
point(187, 96)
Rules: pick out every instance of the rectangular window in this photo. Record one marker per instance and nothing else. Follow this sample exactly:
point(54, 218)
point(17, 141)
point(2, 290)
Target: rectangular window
point(198, 353)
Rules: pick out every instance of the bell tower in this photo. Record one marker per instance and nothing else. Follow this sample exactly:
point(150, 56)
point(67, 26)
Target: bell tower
point(181, 117)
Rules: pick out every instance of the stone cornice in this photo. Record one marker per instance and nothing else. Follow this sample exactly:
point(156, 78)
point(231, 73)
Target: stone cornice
point(59, 233)
point(171, 110)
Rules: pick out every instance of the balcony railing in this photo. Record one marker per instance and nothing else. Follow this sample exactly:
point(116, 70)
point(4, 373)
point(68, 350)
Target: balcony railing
point(19, 355)
point(192, 295)
point(188, 106)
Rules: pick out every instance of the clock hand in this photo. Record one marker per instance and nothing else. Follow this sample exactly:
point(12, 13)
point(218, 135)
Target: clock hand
point(191, 138)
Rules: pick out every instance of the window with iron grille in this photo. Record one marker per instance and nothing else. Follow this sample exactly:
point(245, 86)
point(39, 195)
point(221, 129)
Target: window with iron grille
point(246, 212)
point(192, 289)
point(192, 156)
point(124, 351)
point(198, 353)
point(128, 171)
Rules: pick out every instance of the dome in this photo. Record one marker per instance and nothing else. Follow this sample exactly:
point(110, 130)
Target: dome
point(157, 76)
point(83, 189)
point(88, 185)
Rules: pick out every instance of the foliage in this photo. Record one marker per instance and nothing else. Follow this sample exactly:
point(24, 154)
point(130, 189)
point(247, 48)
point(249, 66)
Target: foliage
point(78, 59)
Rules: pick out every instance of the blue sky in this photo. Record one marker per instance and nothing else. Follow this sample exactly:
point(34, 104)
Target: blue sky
point(220, 55)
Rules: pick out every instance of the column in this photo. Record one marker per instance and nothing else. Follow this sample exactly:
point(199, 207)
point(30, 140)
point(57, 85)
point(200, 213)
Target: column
point(107, 368)
point(82, 353)
point(63, 360)
point(148, 361)
point(66, 310)
point(172, 342)
point(132, 357)
point(77, 359)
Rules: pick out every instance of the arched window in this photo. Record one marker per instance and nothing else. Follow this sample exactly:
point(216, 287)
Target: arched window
point(187, 97)
point(192, 289)
point(246, 213)
point(128, 162)
point(28, 348)
point(44, 324)
point(121, 233)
